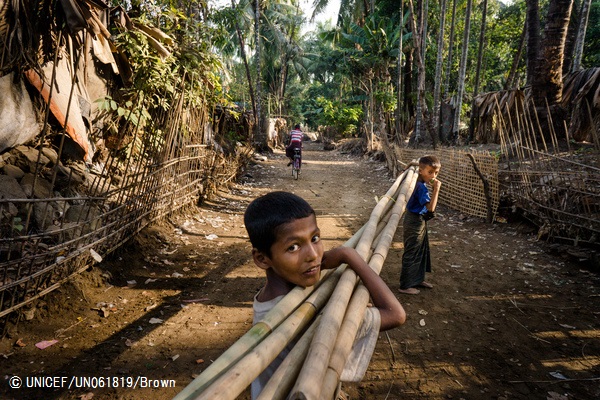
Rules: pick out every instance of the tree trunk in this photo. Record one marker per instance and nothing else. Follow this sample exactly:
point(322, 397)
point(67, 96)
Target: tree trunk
point(399, 112)
point(547, 82)
point(583, 22)
point(421, 105)
point(408, 78)
point(478, 71)
point(246, 66)
point(533, 37)
point(260, 137)
point(418, 40)
point(571, 37)
point(462, 73)
point(438, 68)
point(446, 91)
point(510, 81)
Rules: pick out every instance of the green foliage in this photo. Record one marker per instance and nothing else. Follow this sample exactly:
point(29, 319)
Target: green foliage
point(135, 115)
point(177, 69)
point(17, 224)
point(343, 118)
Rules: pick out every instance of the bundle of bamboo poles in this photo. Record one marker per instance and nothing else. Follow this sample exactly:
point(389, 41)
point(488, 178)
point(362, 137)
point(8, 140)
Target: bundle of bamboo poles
point(323, 319)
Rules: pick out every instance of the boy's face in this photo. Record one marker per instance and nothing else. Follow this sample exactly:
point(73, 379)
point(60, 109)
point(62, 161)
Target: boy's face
point(296, 254)
point(427, 173)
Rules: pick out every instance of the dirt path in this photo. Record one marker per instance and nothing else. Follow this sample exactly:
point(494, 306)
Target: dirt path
point(507, 319)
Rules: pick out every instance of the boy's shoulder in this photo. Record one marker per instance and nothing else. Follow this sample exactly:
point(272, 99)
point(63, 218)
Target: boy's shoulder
point(261, 308)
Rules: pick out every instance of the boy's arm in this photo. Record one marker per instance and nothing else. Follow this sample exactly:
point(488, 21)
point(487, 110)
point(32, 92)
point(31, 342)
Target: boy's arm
point(434, 195)
point(392, 312)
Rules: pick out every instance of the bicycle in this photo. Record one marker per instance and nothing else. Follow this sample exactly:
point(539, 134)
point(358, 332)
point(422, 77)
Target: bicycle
point(296, 163)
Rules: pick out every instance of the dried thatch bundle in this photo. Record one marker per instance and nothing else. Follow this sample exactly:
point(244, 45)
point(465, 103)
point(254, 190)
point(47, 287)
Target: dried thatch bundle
point(581, 94)
point(493, 107)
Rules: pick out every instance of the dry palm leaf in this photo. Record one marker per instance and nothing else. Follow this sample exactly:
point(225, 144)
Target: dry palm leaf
point(592, 76)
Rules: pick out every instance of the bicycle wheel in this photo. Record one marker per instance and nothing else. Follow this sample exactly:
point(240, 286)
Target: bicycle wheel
point(295, 173)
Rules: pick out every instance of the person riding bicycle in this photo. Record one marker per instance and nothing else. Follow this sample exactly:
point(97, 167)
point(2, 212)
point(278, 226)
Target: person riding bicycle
point(295, 143)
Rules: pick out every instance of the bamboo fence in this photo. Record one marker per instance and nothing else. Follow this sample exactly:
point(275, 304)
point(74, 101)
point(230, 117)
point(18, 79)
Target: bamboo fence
point(324, 320)
point(557, 187)
point(108, 202)
point(470, 178)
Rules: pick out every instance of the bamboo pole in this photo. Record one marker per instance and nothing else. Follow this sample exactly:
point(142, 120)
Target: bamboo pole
point(370, 229)
point(284, 377)
point(282, 381)
point(308, 384)
point(256, 334)
point(233, 381)
point(261, 330)
point(360, 298)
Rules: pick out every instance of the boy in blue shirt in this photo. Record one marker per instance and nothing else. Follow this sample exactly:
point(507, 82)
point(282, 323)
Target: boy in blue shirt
point(420, 208)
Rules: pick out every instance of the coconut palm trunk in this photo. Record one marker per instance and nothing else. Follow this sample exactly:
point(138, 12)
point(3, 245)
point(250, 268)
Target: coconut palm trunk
point(399, 112)
point(583, 22)
point(462, 72)
point(533, 37)
point(510, 81)
point(245, 61)
point(547, 82)
point(260, 137)
point(446, 87)
point(478, 71)
point(438, 68)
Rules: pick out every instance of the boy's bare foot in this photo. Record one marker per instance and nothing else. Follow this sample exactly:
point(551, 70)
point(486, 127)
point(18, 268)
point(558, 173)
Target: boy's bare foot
point(426, 285)
point(411, 290)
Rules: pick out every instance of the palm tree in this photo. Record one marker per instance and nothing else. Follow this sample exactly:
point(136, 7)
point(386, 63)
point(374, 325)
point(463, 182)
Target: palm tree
point(478, 70)
point(399, 72)
point(583, 22)
point(284, 53)
point(242, 49)
point(462, 71)
point(438, 67)
point(547, 81)
point(374, 48)
point(446, 91)
point(260, 137)
point(533, 37)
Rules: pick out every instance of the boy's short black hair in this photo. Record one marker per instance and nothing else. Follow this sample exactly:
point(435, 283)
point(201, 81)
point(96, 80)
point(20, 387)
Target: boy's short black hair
point(431, 161)
point(267, 213)
point(297, 126)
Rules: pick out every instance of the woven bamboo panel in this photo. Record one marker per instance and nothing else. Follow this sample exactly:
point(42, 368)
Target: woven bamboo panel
point(53, 239)
point(462, 188)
